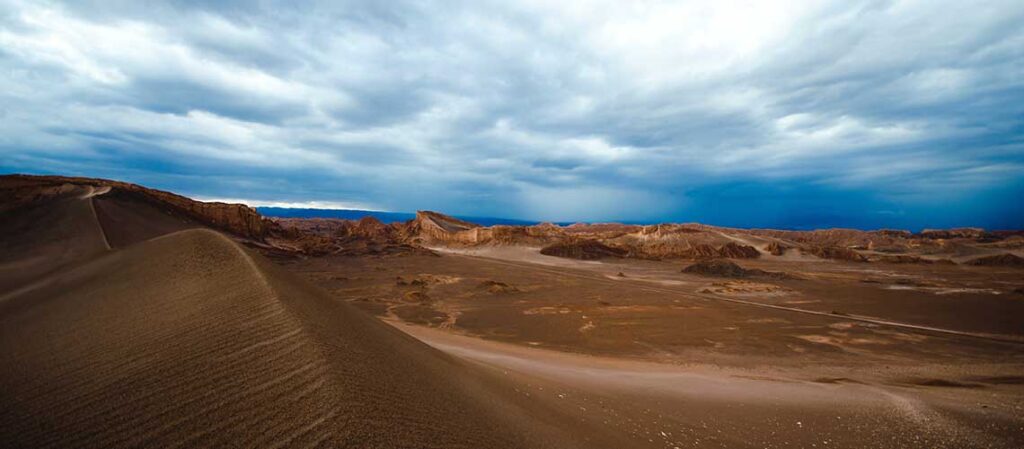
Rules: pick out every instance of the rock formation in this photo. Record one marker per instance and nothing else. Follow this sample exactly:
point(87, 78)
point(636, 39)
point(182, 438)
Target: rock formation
point(583, 249)
point(903, 258)
point(237, 219)
point(966, 233)
point(729, 250)
point(837, 253)
point(317, 236)
point(729, 269)
point(734, 250)
point(717, 268)
point(998, 260)
point(776, 249)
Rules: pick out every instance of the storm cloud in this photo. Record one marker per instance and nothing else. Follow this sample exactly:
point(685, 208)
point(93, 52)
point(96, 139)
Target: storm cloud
point(791, 114)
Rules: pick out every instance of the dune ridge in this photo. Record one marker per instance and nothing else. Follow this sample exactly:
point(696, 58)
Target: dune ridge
point(190, 340)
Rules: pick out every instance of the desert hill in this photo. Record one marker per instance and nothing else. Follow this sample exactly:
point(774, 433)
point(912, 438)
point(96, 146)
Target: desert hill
point(128, 321)
point(288, 237)
point(654, 242)
point(133, 317)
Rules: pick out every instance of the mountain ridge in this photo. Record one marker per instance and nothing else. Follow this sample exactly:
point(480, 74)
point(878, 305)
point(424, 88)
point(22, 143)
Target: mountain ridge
point(289, 237)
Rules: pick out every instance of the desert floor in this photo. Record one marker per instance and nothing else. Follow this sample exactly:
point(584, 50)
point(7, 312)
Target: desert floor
point(846, 355)
point(125, 325)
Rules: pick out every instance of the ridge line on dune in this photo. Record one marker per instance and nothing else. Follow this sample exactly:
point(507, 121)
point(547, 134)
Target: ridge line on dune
point(49, 277)
point(866, 319)
point(99, 223)
point(248, 260)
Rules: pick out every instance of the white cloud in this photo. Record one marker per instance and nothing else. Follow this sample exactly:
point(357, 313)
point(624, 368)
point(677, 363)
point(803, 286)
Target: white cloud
point(290, 204)
point(500, 104)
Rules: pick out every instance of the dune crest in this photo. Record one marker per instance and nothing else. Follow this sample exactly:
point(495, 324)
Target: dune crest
point(191, 340)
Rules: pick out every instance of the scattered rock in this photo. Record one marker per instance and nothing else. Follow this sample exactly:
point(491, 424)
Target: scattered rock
point(426, 280)
point(743, 288)
point(416, 296)
point(496, 287)
point(899, 259)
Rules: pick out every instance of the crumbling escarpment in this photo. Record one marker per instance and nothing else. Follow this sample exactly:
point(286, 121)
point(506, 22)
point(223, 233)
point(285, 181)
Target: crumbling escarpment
point(237, 219)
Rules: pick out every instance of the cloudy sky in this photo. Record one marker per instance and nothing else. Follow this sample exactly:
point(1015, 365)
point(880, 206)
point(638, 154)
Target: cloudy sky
point(747, 113)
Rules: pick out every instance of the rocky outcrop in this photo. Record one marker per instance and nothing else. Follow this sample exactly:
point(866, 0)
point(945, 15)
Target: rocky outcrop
point(323, 236)
point(887, 239)
point(837, 253)
point(998, 260)
point(729, 250)
point(728, 269)
point(716, 268)
point(497, 288)
point(956, 233)
point(237, 219)
point(776, 249)
point(662, 241)
point(583, 249)
point(734, 250)
point(700, 251)
point(908, 259)
point(432, 227)
point(894, 233)
point(899, 259)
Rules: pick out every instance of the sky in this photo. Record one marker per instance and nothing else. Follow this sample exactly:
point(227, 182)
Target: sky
point(786, 114)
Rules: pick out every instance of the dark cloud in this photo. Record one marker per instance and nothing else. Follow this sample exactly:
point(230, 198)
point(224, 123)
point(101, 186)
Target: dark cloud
point(823, 113)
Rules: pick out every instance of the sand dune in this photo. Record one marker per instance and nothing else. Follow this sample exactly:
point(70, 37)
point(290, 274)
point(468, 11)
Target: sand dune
point(189, 340)
point(126, 321)
point(48, 235)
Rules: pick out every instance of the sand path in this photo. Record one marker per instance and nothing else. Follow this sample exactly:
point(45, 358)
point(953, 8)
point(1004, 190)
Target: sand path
point(707, 406)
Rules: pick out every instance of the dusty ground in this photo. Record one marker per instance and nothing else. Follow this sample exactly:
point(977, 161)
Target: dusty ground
point(123, 326)
point(187, 339)
point(852, 355)
point(644, 309)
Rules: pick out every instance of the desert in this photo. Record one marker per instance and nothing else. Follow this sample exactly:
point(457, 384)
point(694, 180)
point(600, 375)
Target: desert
point(135, 317)
point(449, 224)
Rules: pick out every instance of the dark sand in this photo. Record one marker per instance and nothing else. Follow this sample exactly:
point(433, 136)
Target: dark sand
point(757, 363)
point(190, 340)
point(122, 325)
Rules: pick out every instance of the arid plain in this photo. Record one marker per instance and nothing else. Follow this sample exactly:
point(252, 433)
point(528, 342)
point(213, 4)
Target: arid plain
point(134, 317)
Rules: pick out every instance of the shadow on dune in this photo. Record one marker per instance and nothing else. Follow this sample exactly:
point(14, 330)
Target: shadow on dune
point(185, 338)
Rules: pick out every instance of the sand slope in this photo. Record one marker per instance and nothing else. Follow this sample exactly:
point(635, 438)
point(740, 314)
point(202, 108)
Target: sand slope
point(46, 236)
point(188, 340)
point(127, 218)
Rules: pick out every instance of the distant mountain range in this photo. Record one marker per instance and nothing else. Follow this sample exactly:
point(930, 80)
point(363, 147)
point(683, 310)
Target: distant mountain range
point(385, 217)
